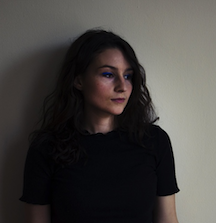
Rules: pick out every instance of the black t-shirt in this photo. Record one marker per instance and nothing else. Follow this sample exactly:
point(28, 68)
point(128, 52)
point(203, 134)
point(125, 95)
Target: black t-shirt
point(117, 183)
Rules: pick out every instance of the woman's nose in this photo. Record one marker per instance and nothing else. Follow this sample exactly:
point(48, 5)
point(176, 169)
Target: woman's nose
point(120, 84)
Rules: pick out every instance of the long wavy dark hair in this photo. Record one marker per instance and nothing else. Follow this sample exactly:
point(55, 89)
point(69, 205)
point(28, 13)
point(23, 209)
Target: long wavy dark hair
point(63, 108)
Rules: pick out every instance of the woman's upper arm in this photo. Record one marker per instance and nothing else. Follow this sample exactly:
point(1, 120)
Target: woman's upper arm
point(165, 210)
point(37, 213)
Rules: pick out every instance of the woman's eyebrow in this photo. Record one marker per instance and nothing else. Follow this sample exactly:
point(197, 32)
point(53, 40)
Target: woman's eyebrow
point(114, 68)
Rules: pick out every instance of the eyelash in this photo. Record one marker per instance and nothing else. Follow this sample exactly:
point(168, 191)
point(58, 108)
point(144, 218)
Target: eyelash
point(128, 76)
point(109, 75)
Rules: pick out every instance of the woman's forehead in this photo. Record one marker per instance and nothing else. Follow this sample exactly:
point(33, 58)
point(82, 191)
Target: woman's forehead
point(110, 58)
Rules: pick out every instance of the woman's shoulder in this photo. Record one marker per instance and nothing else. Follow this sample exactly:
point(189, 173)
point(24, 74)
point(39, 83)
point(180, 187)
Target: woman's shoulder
point(157, 138)
point(151, 133)
point(157, 131)
point(41, 143)
point(161, 140)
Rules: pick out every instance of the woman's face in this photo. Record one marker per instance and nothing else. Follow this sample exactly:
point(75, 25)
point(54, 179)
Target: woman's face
point(107, 84)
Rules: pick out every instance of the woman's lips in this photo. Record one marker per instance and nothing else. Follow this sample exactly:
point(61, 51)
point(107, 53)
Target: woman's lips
point(118, 100)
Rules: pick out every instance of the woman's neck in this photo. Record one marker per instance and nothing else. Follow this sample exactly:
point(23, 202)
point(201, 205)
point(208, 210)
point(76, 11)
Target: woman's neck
point(99, 125)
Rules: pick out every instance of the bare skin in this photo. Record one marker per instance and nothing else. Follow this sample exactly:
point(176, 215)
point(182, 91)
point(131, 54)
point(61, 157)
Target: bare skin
point(37, 213)
point(165, 210)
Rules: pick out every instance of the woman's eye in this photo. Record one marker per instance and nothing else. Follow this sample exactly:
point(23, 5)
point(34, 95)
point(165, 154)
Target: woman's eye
point(107, 74)
point(128, 76)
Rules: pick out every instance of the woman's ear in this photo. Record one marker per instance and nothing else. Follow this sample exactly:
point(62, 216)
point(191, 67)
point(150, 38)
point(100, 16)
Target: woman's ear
point(78, 83)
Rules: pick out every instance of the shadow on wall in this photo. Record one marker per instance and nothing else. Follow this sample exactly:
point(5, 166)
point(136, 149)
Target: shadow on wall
point(22, 91)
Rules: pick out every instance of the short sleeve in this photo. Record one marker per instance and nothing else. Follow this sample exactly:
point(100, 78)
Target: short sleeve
point(165, 170)
point(38, 175)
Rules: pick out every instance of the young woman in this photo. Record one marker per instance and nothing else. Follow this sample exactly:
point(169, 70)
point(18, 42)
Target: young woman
point(98, 157)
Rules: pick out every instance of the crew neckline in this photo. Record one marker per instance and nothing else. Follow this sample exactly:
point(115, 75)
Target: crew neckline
point(109, 134)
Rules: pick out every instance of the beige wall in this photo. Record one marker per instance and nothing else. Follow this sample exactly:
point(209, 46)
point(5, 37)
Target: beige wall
point(174, 40)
